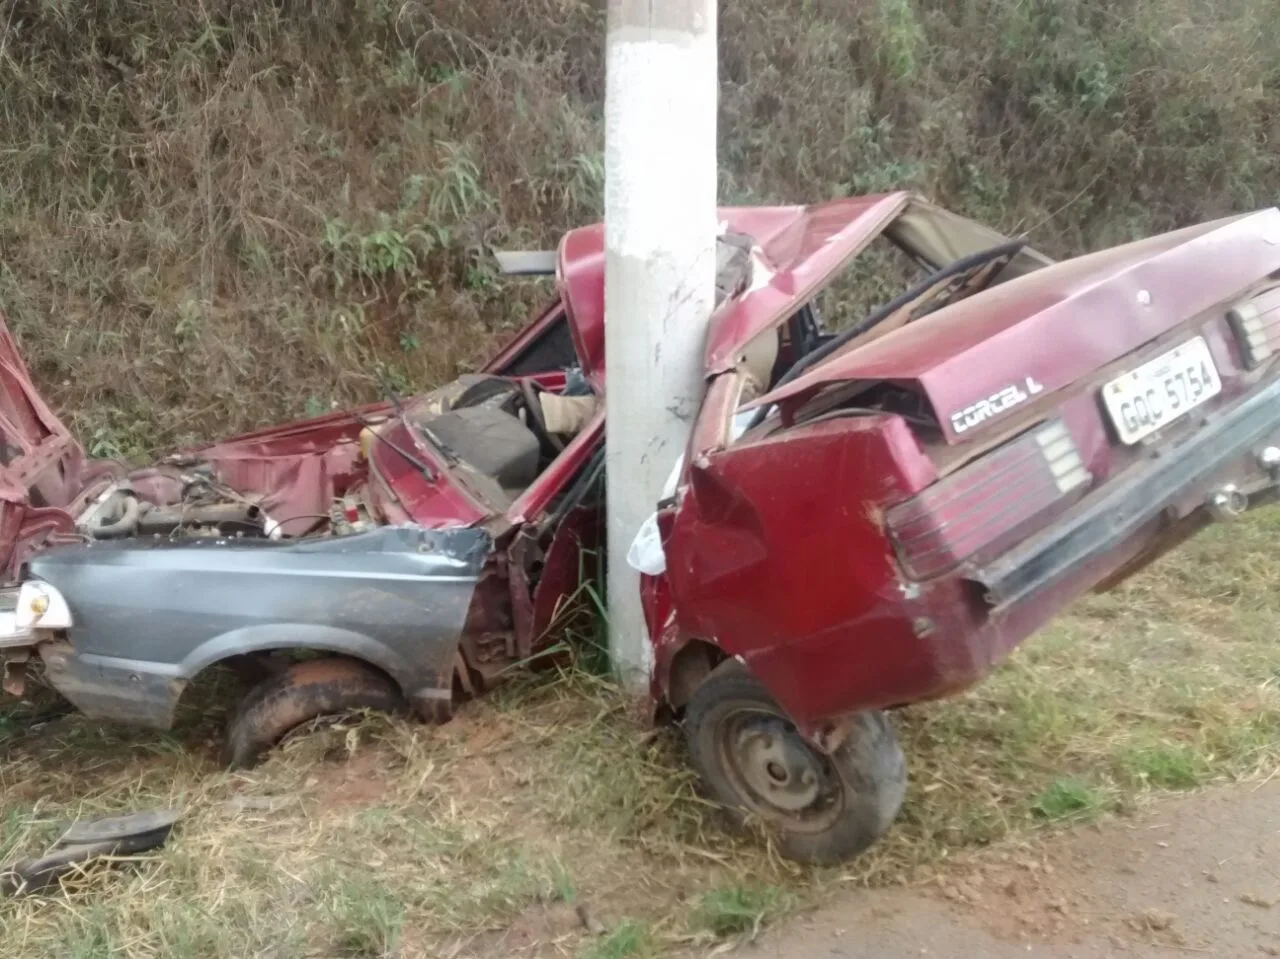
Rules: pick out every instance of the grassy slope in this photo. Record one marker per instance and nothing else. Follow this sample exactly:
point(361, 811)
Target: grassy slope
point(214, 215)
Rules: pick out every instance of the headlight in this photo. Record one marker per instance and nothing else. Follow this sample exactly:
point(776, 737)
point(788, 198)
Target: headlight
point(41, 606)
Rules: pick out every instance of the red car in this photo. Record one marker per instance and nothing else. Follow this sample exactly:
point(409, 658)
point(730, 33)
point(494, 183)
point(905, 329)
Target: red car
point(900, 469)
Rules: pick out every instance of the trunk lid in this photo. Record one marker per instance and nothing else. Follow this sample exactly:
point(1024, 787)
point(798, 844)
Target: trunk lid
point(983, 357)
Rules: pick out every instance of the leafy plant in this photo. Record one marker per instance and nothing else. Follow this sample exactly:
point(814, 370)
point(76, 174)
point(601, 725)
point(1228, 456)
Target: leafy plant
point(735, 909)
point(1067, 799)
point(455, 191)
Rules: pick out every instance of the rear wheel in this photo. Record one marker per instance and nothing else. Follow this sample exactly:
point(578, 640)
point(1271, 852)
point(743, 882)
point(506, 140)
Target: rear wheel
point(304, 691)
point(820, 808)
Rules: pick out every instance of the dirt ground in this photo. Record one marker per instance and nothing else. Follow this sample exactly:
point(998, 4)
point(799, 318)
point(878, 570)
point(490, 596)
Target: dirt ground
point(1197, 875)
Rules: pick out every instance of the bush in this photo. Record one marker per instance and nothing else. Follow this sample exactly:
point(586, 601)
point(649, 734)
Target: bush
point(222, 214)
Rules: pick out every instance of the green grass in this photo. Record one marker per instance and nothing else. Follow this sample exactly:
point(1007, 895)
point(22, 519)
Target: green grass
point(1067, 799)
point(1166, 766)
point(366, 919)
point(630, 940)
point(736, 909)
point(393, 838)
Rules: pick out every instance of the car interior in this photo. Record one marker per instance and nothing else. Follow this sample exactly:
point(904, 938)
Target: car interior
point(923, 261)
point(506, 430)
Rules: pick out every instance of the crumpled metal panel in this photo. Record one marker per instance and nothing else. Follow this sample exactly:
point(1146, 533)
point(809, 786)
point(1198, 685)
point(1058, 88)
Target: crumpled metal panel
point(150, 615)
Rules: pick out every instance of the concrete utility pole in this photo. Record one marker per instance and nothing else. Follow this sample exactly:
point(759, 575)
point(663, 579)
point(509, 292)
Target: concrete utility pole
point(660, 239)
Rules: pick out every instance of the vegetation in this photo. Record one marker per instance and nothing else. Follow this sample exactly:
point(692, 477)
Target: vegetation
point(546, 819)
point(216, 215)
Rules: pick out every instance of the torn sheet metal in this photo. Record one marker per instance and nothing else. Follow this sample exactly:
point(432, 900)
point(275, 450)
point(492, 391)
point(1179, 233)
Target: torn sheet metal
point(150, 615)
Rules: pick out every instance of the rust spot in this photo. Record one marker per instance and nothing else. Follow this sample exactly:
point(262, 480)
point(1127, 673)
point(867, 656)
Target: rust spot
point(523, 553)
point(831, 735)
point(462, 675)
point(328, 670)
point(14, 664)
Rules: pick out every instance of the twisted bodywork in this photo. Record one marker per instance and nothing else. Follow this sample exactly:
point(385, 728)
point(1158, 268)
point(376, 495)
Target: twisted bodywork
point(938, 455)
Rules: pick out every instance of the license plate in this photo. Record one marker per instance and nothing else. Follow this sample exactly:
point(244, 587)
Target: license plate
point(1158, 392)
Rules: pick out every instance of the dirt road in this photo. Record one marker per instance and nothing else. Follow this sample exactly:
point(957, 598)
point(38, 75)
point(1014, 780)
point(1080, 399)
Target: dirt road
point(1198, 875)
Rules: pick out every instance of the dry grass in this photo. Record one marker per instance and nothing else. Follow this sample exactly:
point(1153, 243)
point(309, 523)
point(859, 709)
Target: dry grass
point(215, 215)
point(485, 836)
point(374, 839)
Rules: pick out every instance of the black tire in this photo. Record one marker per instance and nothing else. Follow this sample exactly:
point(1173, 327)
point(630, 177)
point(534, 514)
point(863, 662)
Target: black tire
point(305, 691)
point(819, 808)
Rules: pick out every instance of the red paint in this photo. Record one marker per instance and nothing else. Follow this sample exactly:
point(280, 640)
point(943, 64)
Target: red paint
point(778, 551)
point(801, 582)
point(800, 248)
point(43, 472)
point(437, 499)
point(299, 468)
point(1048, 325)
point(777, 546)
point(572, 560)
point(761, 556)
point(580, 276)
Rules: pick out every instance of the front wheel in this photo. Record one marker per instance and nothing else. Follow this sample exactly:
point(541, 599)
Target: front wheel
point(307, 690)
point(753, 761)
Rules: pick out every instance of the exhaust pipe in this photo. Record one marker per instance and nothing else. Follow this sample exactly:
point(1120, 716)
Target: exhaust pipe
point(1227, 503)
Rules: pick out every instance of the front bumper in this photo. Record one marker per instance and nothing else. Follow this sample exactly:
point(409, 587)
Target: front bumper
point(1101, 523)
point(11, 634)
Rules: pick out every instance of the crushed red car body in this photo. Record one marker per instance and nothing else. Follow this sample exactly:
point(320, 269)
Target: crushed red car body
point(955, 538)
point(883, 494)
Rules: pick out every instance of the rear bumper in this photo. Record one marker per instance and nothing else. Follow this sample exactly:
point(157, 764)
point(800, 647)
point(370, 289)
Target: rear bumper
point(1103, 522)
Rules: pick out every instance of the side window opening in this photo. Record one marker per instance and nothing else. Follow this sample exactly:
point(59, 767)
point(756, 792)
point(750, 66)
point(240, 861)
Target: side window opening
point(881, 291)
point(553, 350)
point(878, 274)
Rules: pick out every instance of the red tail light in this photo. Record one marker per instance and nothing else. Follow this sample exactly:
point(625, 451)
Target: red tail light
point(955, 517)
point(1256, 323)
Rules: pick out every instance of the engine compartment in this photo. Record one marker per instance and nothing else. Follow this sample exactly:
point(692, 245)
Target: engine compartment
point(346, 473)
point(204, 508)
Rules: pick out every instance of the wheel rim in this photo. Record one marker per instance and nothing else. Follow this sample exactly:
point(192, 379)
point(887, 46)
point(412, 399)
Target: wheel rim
point(776, 773)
